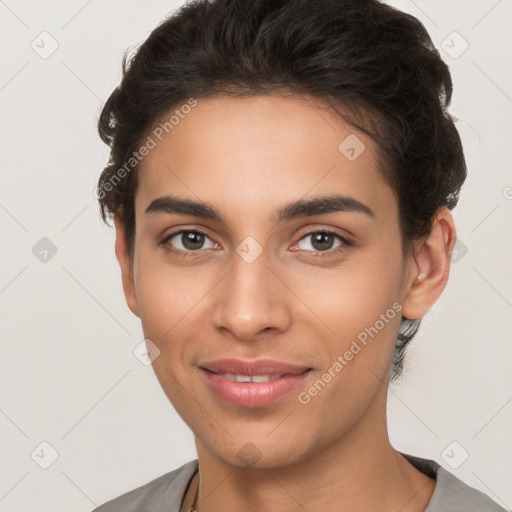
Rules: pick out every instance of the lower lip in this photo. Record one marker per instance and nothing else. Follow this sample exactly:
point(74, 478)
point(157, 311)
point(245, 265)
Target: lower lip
point(252, 394)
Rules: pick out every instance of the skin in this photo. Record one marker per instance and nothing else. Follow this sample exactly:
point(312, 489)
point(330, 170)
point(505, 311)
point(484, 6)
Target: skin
point(248, 157)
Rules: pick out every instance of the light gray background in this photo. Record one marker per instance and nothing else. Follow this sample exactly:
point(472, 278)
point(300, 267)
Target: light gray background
point(68, 374)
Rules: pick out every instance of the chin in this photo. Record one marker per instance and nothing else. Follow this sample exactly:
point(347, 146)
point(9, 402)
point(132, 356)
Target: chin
point(258, 455)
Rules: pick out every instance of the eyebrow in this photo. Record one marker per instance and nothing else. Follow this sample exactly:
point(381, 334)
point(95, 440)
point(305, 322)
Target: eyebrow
point(171, 204)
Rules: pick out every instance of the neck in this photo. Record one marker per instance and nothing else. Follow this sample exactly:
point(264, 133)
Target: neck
point(359, 471)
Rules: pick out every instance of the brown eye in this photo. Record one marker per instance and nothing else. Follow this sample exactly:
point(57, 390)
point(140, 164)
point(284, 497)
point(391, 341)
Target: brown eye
point(322, 241)
point(186, 241)
point(192, 240)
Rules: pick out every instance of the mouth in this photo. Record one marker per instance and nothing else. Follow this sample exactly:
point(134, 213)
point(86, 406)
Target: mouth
point(249, 378)
point(252, 384)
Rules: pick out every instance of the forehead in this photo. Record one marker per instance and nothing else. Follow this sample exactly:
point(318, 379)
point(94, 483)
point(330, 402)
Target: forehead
point(252, 154)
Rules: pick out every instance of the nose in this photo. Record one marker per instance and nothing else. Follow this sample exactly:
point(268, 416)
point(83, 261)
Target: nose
point(251, 299)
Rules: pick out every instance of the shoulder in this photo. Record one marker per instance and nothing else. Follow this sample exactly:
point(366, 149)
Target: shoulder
point(451, 493)
point(163, 494)
point(457, 496)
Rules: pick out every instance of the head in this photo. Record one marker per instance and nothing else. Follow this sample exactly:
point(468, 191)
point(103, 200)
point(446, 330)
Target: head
point(281, 179)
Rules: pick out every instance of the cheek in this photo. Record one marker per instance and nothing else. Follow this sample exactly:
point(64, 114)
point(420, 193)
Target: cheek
point(167, 294)
point(174, 314)
point(351, 297)
point(358, 305)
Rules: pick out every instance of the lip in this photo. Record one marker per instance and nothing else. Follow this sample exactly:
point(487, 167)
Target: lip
point(252, 394)
point(254, 367)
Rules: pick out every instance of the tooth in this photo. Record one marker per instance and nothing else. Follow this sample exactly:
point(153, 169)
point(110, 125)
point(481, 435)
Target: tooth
point(261, 378)
point(248, 378)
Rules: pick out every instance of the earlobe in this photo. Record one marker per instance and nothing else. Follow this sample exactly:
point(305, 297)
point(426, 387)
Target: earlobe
point(431, 266)
point(123, 257)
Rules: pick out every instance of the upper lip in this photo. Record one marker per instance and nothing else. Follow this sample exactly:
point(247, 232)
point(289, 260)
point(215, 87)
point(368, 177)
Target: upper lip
point(254, 367)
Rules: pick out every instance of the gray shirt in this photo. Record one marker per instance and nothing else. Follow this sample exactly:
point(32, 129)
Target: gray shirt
point(166, 493)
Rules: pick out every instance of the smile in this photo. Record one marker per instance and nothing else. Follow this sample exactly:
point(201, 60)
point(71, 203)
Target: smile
point(251, 384)
point(248, 378)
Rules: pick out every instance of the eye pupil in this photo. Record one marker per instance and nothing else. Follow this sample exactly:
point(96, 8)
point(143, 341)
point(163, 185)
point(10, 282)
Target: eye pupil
point(192, 240)
point(322, 241)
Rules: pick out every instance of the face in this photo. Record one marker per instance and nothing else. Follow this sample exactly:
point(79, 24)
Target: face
point(255, 275)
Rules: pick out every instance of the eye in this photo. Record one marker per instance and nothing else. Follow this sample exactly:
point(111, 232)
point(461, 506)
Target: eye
point(322, 241)
point(190, 242)
point(187, 241)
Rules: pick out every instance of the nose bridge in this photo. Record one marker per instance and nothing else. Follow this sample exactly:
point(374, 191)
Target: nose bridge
point(251, 298)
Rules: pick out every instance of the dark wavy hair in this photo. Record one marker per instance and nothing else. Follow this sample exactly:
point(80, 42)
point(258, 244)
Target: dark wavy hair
point(374, 65)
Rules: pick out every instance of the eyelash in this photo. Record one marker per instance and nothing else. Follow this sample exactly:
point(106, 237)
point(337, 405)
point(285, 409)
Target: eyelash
point(186, 254)
point(178, 252)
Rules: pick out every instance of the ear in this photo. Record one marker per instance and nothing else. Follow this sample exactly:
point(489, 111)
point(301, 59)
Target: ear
point(123, 257)
point(430, 267)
